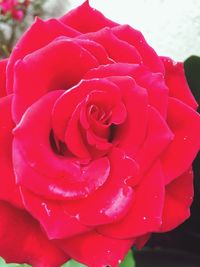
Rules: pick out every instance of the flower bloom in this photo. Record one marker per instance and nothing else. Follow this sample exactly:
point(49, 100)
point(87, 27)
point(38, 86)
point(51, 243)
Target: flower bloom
point(97, 136)
point(14, 7)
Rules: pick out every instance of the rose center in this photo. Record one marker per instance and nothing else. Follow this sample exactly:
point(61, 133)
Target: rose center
point(98, 114)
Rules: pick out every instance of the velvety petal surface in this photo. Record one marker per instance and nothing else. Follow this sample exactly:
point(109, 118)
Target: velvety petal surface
point(137, 40)
point(130, 135)
point(95, 250)
point(158, 138)
point(154, 83)
point(8, 189)
point(145, 214)
point(113, 45)
point(3, 64)
point(40, 169)
point(37, 36)
point(23, 241)
point(177, 83)
point(81, 17)
point(184, 122)
point(61, 64)
point(113, 200)
point(178, 199)
point(52, 215)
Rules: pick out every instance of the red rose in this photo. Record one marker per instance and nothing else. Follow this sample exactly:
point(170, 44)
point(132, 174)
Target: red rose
point(104, 134)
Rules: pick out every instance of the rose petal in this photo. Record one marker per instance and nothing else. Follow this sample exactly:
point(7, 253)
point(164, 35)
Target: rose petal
point(81, 17)
point(67, 103)
point(113, 45)
point(97, 142)
point(73, 137)
point(184, 122)
point(94, 249)
point(77, 183)
point(8, 189)
point(56, 221)
point(38, 35)
point(97, 50)
point(112, 201)
point(153, 82)
point(40, 169)
point(145, 214)
point(23, 241)
point(141, 241)
point(136, 39)
point(130, 135)
point(158, 138)
point(177, 83)
point(178, 199)
point(61, 64)
point(156, 88)
point(3, 64)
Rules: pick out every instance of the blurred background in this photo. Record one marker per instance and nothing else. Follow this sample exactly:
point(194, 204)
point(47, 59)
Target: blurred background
point(172, 28)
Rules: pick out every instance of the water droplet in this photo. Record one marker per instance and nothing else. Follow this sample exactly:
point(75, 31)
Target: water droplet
point(101, 211)
point(87, 190)
point(48, 211)
point(108, 251)
point(174, 63)
point(144, 218)
point(185, 138)
point(32, 164)
point(119, 261)
point(77, 216)
point(127, 178)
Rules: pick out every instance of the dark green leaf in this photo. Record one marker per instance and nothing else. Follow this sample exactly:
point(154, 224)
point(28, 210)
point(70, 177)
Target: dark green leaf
point(192, 72)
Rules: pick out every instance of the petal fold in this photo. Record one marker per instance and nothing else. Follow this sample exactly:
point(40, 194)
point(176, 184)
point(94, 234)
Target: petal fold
point(23, 241)
point(95, 250)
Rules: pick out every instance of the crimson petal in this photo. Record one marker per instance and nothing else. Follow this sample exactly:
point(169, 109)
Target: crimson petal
point(23, 241)
point(3, 64)
point(177, 83)
point(38, 35)
point(134, 127)
point(97, 50)
point(40, 169)
point(113, 45)
point(112, 201)
point(94, 249)
point(154, 83)
point(56, 221)
point(178, 199)
point(184, 122)
point(8, 189)
point(136, 39)
point(145, 214)
point(74, 138)
point(51, 62)
point(81, 17)
point(158, 138)
point(67, 103)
